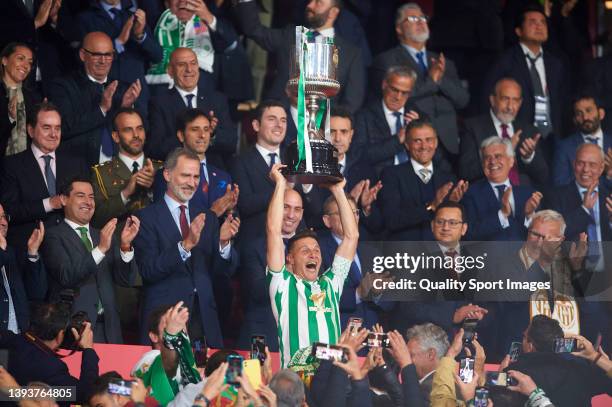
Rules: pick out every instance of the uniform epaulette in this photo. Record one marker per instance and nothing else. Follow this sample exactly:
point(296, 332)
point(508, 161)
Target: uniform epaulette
point(100, 181)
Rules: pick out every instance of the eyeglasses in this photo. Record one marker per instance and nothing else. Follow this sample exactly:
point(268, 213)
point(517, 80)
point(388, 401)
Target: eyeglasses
point(6, 217)
point(450, 222)
point(416, 19)
point(100, 55)
point(540, 236)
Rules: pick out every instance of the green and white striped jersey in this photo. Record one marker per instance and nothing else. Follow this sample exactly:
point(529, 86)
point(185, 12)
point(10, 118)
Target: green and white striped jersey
point(307, 312)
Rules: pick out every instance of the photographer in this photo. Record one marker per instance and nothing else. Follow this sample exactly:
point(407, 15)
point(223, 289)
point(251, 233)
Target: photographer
point(32, 355)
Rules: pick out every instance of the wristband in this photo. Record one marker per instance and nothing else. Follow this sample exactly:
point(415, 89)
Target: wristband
point(201, 397)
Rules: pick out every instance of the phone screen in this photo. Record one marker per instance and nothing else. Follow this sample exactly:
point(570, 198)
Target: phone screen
point(120, 387)
point(515, 351)
point(481, 397)
point(234, 369)
point(466, 370)
point(354, 323)
point(565, 345)
point(258, 348)
point(200, 351)
point(377, 340)
point(469, 329)
point(323, 351)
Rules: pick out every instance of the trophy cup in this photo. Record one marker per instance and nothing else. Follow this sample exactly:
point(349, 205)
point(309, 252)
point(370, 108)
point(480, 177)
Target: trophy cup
point(312, 79)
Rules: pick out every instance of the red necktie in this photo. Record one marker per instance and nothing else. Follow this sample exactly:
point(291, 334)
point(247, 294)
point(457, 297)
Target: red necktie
point(452, 253)
point(514, 175)
point(183, 222)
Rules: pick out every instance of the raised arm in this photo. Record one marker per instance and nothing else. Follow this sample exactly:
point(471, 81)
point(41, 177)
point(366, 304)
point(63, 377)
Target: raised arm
point(348, 247)
point(275, 251)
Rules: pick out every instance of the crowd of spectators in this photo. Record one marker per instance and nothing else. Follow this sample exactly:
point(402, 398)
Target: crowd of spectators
point(142, 201)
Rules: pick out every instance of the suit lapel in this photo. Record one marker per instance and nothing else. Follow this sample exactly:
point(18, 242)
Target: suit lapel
point(166, 221)
point(381, 119)
point(258, 162)
point(521, 62)
point(30, 166)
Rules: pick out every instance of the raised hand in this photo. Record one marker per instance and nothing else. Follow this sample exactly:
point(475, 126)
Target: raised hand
point(590, 197)
point(369, 195)
point(140, 21)
point(43, 13)
point(276, 175)
point(506, 208)
point(399, 349)
point(198, 7)
point(578, 251)
point(528, 146)
point(515, 139)
point(357, 190)
point(176, 318)
point(85, 339)
point(525, 386)
point(124, 36)
point(146, 175)
point(532, 204)
point(214, 121)
point(106, 235)
point(131, 94)
point(36, 239)
point(215, 383)
point(437, 68)
point(467, 390)
point(460, 189)
point(195, 230)
point(353, 341)
point(227, 202)
point(130, 230)
point(469, 311)
point(456, 346)
point(441, 194)
point(351, 367)
point(228, 230)
point(107, 96)
point(54, 12)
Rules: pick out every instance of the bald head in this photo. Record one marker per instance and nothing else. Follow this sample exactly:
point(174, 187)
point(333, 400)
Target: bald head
point(97, 55)
point(588, 165)
point(184, 68)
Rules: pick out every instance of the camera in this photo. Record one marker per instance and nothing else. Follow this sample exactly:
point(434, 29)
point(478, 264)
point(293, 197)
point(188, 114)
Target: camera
point(77, 321)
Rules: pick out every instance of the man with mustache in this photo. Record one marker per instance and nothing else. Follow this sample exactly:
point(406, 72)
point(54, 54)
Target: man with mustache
point(123, 185)
point(84, 262)
point(501, 120)
point(180, 247)
point(588, 115)
point(320, 16)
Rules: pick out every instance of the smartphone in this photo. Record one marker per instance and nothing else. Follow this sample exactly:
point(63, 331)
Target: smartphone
point(200, 351)
point(466, 370)
point(258, 348)
point(377, 340)
point(481, 397)
point(323, 351)
point(354, 323)
point(515, 351)
point(469, 329)
point(251, 368)
point(565, 345)
point(500, 379)
point(120, 387)
point(234, 370)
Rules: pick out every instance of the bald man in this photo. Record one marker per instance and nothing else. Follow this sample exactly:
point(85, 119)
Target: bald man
point(258, 317)
point(184, 70)
point(501, 120)
point(87, 100)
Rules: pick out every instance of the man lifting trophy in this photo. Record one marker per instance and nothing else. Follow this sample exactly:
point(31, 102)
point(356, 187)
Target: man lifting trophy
point(312, 79)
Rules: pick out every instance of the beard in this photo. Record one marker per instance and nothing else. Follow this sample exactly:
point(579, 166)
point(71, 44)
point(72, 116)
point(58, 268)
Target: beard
point(421, 37)
point(505, 117)
point(316, 20)
point(127, 147)
point(589, 126)
point(181, 193)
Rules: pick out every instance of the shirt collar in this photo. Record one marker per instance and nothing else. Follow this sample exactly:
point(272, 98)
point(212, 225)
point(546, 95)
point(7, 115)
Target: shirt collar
point(506, 183)
point(107, 7)
point(264, 151)
point(328, 32)
point(75, 225)
point(413, 51)
point(582, 189)
point(389, 112)
point(37, 153)
point(528, 51)
point(184, 93)
point(129, 162)
point(417, 166)
point(598, 134)
point(173, 205)
point(343, 163)
point(444, 249)
point(91, 78)
point(426, 376)
point(496, 122)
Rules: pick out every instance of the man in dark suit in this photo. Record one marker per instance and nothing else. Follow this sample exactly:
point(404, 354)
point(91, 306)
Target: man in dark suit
point(258, 316)
point(413, 190)
point(251, 168)
point(355, 300)
point(215, 190)
point(88, 261)
point(505, 101)
point(437, 92)
point(31, 179)
point(32, 354)
point(497, 210)
point(28, 282)
point(380, 125)
point(185, 94)
point(135, 47)
point(87, 101)
point(361, 180)
point(320, 17)
point(588, 115)
point(540, 74)
point(180, 247)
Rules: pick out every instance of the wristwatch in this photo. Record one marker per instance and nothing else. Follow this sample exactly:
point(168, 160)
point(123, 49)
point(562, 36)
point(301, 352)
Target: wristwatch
point(201, 397)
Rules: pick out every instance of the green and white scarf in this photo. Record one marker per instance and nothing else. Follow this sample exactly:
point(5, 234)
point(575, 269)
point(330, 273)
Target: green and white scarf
point(172, 34)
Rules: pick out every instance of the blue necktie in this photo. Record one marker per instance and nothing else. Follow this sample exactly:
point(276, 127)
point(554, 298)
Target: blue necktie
point(593, 253)
point(190, 100)
point(272, 159)
point(204, 184)
point(421, 61)
point(402, 156)
point(49, 175)
point(592, 140)
point(116, 18)
point(500, 191)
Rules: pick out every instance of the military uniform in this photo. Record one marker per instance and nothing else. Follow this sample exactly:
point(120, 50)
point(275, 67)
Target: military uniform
point(109, 179)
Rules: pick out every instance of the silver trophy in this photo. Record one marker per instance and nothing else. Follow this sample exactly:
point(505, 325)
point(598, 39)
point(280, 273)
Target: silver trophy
point(319, 64)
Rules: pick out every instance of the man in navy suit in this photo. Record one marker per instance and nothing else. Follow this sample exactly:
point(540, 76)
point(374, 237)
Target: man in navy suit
point(379, 127)
point(258, 316)
point(251, 168)
point(28, 282)
point(542, 77)
point(413, 190)
point(135, 47)
point(215, 190)
point(355, 301)
point(180, 246)
point(437, 92)
point(361, 180)
point(31, 180)
point(501, 120)
point(164, 108)
point(588, 115)
point(496, 209)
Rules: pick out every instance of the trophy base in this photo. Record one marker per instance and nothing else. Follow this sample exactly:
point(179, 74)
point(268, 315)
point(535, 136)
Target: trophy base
point(324, 164)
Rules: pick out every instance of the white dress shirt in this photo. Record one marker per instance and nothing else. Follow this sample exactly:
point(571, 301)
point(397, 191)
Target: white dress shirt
point(41, 164)
point(184, 94)
point(265, 153)
point(503, 220)
point(96, 253)
point(539, 64)
point(597, 135)
point(129, 163)
point(510, 130)
point(417, 166)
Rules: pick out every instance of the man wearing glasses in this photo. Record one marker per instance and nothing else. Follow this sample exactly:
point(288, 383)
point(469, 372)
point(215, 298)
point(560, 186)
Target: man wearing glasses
point(437, 91)
point(87, 100)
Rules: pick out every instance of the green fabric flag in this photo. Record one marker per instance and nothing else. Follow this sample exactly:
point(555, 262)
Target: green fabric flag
point(162, 388)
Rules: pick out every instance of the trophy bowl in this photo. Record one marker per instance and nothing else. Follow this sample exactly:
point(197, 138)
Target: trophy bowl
point(320, 70)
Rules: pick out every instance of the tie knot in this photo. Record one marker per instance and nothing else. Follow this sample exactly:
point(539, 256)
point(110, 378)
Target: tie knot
point(593, 140)
point(47, 159)
point(82, 231)
point(272, 159)
point(115, 12)
point(182, 208)
point(504, 126)
point(533, 60)
point(451, 253)
point(135, 167)
point(315, 34)
point(500, 190)
point(425, 172)
point(397, 115)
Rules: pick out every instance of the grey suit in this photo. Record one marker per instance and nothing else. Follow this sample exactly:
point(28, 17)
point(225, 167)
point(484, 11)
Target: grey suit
point(438, 101)
point(71, 266)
